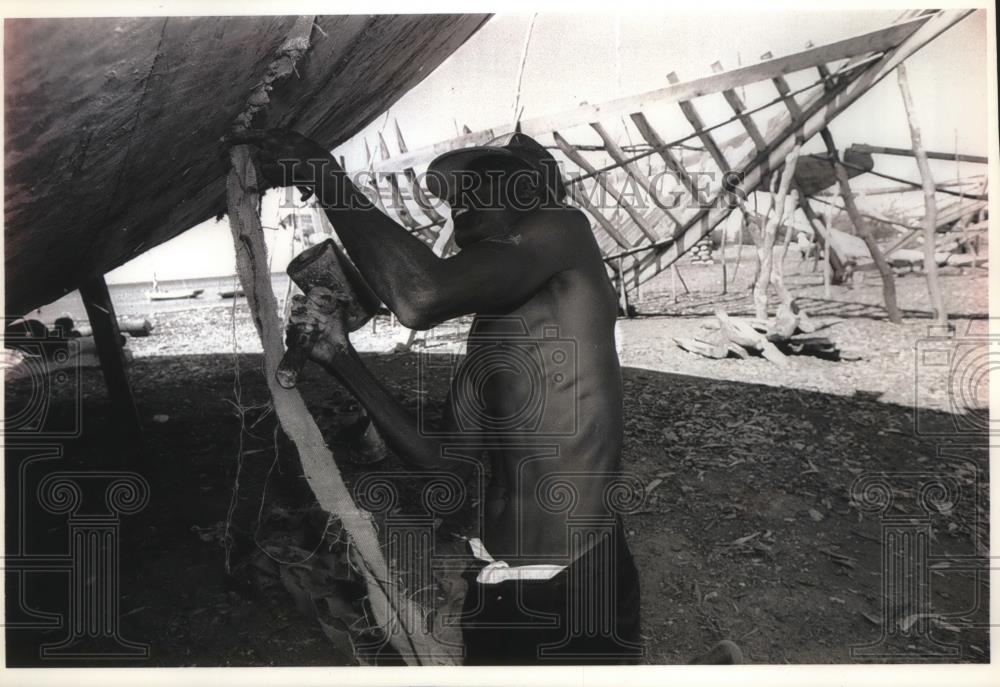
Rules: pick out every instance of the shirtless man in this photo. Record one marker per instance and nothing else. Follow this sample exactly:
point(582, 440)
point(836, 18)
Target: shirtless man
point(554, 581)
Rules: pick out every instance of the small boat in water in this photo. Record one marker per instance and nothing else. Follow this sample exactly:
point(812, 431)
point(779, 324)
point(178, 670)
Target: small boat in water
point(232, 293)
point(173, 294)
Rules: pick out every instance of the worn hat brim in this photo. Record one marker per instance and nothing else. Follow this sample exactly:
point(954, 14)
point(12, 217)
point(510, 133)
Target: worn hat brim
point(442, 173)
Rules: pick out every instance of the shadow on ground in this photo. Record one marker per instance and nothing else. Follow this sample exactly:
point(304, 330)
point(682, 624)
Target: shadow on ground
point(748, 531)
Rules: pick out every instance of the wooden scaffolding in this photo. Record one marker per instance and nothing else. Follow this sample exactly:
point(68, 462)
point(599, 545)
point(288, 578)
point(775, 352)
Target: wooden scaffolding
point(651, 202)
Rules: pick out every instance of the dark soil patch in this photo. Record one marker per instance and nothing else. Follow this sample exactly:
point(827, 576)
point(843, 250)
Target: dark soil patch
point(751, 534)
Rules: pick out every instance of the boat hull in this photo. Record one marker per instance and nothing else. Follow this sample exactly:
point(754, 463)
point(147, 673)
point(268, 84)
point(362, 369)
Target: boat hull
point(174, 295)
point(112, 126)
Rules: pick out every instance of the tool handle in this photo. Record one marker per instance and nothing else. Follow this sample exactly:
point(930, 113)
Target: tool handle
point(299, 349)
point(291, 365)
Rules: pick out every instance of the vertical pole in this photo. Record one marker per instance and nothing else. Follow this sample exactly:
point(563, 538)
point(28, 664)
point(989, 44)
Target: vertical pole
point(739, 247)
point(821, 238)
point(623, 290)
point(888, 283)
point(766, 251)
point(722, 254)
point(827, 250)
point(107, 338)
point(680, 278)
point(931, 213)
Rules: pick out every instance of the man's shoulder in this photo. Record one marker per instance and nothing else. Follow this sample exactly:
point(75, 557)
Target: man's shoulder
point(560, 219)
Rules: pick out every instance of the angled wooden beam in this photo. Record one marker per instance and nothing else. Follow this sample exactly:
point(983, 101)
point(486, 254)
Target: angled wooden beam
point(873, 41)
point(372, 180)
point(580, 161)
point(425, 204)
point(423, 231)
point(739, 109)
point(823, 70)
point(633, 170)
point(397, 197)
point(784, 90)
point(952, 157)
point(107, 338)
point(651, 137)
point(862, 228)
point(691, 114)
point(583, 200)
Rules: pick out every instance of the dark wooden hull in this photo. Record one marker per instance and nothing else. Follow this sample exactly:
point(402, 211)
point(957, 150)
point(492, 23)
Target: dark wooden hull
point(112, 125)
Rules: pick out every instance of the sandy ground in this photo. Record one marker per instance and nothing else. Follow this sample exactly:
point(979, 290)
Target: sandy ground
point(749, 529)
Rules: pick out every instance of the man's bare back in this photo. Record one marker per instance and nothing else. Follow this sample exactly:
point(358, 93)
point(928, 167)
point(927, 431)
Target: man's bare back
point(580, 427)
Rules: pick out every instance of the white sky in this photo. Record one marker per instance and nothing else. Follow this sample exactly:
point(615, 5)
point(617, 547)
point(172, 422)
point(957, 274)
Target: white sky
point(597, 57)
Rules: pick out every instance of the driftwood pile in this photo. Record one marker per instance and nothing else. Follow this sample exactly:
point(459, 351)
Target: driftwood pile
point(791, 332)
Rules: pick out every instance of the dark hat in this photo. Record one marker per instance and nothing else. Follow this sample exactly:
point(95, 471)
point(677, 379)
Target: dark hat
point(515, 147)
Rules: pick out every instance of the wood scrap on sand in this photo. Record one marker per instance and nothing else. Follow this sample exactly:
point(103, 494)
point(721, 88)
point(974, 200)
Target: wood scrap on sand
point(792, 332)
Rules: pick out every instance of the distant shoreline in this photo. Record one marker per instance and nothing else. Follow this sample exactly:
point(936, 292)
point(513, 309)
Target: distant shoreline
point(180, 280)
point(129, 298)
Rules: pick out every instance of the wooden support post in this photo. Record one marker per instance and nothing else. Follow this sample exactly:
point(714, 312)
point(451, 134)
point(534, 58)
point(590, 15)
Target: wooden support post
point(822, 238)
point(722, 255)
point(963, 220)
point(623, 292)
point(107, 339)
point(738, 108)
point(778, 270)
point(677, 271)
point(394, 611)
point(888, 281)
point(739, 247)
point(766, 250)
point(827, 274)
point(930, 206)
point(691, 114)
point(789, 229)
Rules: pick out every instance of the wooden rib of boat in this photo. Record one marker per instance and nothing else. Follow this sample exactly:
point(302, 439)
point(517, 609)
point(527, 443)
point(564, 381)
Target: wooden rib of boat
point(698, 167)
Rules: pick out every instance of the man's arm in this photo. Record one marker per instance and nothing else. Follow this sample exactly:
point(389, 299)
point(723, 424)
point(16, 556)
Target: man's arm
point(418, 286)
point(424, 289)
point(418, 449)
